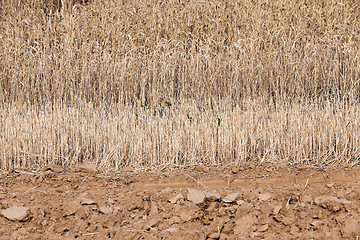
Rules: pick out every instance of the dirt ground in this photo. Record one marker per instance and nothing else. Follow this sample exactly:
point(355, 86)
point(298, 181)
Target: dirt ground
point(251, 201)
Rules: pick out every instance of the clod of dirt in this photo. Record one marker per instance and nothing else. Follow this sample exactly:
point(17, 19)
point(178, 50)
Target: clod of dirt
point(244, 225)
point(240, 202)
point(287, 221)
point(172, 229)
point(105, 210)
point(294, 230)
point(16, 213)
point(195, 196)
point(174, 220)
point(214, 235)
point(352, 226)
point(307, 199)
point(263, 228)
point(71, 208)
point(332, 204)
point(316, 223)
point(277, 209)
point(228, 227)
point(231, 197)
point(323, 199)
point(264, 196)
point(87, 201)
point(212, 195)
point(89, 167)
point(153, 222)
point(154, 210)
point(213, 206)
point(186, 216)
point(176, 198)
point(166, 190)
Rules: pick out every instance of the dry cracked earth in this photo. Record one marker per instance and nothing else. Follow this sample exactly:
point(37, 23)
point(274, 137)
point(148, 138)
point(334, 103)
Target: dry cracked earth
point(259, 201)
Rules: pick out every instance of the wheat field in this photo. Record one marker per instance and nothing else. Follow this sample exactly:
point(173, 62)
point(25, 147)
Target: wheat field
point(160, 83)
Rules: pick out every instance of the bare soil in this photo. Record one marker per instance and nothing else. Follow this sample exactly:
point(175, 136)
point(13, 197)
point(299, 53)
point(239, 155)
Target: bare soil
point(259, 201)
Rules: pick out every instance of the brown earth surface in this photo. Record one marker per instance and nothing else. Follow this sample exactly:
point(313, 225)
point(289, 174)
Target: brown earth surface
point(251, 201)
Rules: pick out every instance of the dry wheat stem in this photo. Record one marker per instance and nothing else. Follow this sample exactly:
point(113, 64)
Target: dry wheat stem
point(167, 83)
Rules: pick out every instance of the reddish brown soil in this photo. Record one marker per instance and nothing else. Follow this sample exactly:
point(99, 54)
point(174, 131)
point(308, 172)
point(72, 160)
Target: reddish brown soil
point(273, 202)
